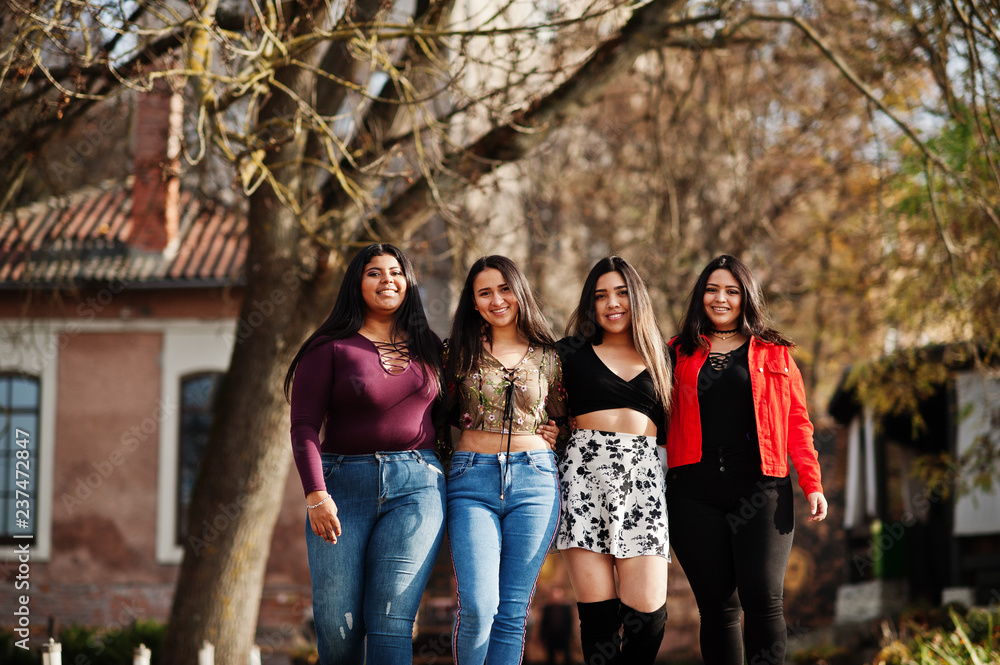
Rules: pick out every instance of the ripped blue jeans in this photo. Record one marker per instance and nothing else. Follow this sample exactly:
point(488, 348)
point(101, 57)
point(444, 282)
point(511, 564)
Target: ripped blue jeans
point(368, 585)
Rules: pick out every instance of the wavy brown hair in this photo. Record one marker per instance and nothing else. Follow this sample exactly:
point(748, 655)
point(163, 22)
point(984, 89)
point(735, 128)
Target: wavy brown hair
point(468, 328)
point(584, 329)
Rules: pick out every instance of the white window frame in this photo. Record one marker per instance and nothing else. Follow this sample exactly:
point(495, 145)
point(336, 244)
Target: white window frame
point(188, 348)
point(33, 348)
point(975, 513)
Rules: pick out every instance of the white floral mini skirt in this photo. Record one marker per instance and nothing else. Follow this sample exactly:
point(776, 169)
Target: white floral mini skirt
point(613, 499)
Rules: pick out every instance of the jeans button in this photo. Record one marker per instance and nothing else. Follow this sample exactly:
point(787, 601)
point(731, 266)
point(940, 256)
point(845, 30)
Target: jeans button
point(722, 468)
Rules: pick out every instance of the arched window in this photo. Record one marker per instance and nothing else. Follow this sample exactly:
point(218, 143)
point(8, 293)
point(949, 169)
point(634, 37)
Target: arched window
point(19, 437)
point(197, 401)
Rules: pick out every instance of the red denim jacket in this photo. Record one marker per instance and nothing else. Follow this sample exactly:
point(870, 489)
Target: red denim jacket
point(779, 397)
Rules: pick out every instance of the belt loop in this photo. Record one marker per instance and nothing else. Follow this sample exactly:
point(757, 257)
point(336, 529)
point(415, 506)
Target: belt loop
point(383, 489)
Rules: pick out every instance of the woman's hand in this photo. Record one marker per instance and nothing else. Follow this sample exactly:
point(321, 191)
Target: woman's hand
point(817, 506)
point(323, 518)
point(550, 432)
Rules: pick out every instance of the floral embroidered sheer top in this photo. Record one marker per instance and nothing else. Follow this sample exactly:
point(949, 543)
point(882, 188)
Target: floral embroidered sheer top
point(531, 393)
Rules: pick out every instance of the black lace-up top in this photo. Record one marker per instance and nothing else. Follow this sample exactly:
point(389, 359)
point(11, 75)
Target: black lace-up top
point(725, 399)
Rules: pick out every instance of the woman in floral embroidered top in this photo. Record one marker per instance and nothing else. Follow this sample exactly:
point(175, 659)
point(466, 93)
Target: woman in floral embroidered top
point(505, 385)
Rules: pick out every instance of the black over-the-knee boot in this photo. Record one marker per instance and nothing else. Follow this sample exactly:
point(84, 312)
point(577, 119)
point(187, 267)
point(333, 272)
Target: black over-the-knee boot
point(642, 634)
point(600, 624)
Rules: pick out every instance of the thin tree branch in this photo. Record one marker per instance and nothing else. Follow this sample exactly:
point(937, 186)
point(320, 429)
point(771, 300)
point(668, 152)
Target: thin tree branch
point(848, 73)
point(646, 29)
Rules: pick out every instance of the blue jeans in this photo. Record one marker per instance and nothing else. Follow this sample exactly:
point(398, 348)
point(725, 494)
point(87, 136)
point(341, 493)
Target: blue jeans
point(391, 507)
point(497, 548)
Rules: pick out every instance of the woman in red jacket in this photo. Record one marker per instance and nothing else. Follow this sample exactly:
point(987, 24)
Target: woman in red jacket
point(739, 411)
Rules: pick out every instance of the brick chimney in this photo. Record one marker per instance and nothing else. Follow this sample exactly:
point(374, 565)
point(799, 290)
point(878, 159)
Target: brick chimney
point(156, 167)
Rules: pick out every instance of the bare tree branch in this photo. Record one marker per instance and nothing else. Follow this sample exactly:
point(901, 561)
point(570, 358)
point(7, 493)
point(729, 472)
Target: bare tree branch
point(845, 69)
point(646, 29)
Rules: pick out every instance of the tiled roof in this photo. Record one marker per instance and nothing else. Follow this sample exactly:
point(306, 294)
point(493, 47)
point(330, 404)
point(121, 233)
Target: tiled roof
point(82, 238)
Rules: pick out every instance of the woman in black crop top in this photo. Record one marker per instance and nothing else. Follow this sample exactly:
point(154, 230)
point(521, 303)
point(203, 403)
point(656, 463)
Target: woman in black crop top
point(614, 516)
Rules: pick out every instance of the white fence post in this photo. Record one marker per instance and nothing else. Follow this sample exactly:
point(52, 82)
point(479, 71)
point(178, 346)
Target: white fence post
point(206, 655)
point(142, 655)
point(52, 653)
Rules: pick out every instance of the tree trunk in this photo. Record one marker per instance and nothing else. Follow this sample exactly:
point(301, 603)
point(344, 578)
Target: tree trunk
point(238, 494)
point(237, 497)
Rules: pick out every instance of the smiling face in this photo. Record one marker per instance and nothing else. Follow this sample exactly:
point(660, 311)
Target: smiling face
point(383, 285)
point(611, 303)
point(494, 299)
point(723, 300)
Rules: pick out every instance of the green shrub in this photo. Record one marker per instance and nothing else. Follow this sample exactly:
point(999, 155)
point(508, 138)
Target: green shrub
point(10, 654)
point(970, 640)
point(981, 623)
point(113, 645)
point(92, 646)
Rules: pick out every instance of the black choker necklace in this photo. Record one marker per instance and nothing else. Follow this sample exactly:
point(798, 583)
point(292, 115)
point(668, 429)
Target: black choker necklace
point(725, 334)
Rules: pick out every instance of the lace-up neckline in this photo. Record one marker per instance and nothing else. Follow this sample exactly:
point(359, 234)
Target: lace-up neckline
point(719, 361)
point(394, 357)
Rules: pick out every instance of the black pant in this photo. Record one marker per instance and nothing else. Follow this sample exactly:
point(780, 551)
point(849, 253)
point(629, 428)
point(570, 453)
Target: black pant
point(554, 649)
point(731, 528)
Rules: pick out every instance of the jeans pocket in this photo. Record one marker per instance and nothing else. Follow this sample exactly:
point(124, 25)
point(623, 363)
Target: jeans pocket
point(679, 477)
point(543, 462)
point(461, 462)
point(328, 468)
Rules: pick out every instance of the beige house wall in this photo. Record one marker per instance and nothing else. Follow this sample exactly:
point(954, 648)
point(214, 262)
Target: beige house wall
point(112, 357)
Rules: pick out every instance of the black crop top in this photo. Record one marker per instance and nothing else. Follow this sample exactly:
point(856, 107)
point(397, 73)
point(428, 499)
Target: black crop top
point(592, 386)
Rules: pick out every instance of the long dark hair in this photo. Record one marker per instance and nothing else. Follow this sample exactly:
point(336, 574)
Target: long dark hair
point(753, 322)
point(348, 315)
point(468, 327)
point(646, 337)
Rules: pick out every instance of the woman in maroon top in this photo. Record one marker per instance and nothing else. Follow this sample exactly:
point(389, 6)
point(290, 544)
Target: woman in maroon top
point(363, 390)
